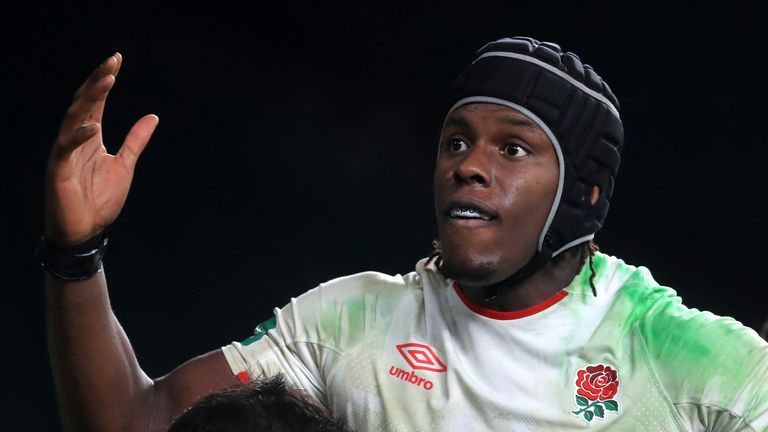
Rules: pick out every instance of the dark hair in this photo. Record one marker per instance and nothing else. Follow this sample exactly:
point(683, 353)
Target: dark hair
point(586, 250)
point(266, 405)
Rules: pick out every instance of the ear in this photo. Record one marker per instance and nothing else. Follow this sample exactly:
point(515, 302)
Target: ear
point(595, 194)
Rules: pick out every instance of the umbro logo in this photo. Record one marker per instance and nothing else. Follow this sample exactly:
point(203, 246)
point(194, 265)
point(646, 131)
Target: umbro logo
point(420, 357)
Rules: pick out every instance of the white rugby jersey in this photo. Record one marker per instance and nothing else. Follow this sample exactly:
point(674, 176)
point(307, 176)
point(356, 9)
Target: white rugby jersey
point(409, 353)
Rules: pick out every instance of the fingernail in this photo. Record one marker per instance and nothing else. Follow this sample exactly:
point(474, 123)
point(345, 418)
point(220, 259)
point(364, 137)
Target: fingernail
point(105, 61)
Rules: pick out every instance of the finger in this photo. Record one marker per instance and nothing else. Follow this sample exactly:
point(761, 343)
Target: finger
point(107, 67)
point(81, 109)
point(137, 140)
point(97, 111)
point(119, 58)
point(99, 98)
point(89, 91)
point(82, 134)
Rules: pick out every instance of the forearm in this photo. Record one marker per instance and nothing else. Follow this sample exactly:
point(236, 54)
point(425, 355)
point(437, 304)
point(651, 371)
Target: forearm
point(99, 382)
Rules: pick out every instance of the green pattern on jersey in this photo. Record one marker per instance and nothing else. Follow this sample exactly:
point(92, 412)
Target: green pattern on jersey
point(694, 356)
point(260, 331)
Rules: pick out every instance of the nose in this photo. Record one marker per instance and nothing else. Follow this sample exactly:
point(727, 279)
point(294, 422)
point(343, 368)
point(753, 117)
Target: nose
point(473, 168)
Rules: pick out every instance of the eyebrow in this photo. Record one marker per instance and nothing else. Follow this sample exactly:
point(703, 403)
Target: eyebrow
point(459, 122)
point(519, 121)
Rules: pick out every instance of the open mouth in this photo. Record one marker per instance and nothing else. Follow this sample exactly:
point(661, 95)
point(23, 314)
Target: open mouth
point(464, 210)
point(468, 213)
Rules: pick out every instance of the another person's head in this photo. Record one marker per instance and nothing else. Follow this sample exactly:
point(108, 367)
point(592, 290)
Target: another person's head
point(266, 405)
point(528, 153)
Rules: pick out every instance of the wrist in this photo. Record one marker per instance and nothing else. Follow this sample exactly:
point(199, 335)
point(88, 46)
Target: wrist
point(73, 262)
point(62, 237)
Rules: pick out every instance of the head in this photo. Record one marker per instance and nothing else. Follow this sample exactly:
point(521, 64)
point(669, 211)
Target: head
point(527, 156)
point(266, 405)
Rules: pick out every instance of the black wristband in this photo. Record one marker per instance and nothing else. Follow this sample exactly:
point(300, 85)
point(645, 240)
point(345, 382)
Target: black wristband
point(75, 262)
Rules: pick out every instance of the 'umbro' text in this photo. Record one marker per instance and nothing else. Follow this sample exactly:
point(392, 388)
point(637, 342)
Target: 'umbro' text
point(411, 378)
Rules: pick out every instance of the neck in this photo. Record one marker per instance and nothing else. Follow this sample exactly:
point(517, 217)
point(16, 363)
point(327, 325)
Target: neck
point(543, 284)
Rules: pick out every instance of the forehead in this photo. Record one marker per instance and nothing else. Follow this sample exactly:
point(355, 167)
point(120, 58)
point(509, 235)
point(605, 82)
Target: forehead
point(476, 114)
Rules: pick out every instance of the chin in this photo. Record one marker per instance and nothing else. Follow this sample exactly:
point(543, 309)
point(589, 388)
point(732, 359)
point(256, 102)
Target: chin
point(469, 270)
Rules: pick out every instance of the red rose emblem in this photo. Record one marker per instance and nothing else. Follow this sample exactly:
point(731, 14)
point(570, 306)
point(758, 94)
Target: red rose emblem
point(597, 382)
point(596, 385)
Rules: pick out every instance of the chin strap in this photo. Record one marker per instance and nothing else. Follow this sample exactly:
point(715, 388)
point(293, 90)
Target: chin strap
point(535, 264)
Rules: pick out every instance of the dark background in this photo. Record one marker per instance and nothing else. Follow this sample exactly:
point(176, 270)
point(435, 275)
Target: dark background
point(296, 144)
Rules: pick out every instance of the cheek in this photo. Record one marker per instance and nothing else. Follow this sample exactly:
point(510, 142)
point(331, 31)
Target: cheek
point(544, 188)
point(529, 200)
point(441, 173)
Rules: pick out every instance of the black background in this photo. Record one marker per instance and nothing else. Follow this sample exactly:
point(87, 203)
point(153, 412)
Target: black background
point(296, 144)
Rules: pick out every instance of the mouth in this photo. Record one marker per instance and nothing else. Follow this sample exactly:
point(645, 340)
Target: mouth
point(468, 210)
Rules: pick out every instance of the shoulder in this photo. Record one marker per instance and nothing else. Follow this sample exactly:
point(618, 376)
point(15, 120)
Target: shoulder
point(357, 287)
point(695, 349)
point(371, 285)
point(614, 275)
point(664, 322)
point(633, 292)
point(369, 282)
point(698, 358)
point(342, 311)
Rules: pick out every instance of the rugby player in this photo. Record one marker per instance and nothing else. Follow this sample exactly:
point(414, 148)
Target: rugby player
point(515, 322)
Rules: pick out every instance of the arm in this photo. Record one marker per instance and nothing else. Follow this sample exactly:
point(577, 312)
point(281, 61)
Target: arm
point(99, 383)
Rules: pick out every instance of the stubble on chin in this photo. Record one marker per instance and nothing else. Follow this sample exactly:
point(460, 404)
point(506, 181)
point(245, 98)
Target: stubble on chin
point(466, 270)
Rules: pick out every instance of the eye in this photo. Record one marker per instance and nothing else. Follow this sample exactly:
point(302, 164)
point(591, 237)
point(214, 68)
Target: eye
point(515, 150)
point(456, 145)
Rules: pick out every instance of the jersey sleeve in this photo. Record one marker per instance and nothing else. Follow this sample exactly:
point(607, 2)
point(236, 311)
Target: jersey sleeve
point(305, 338)
point(713, 369)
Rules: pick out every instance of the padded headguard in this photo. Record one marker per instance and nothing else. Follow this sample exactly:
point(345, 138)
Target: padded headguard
point(579, 114)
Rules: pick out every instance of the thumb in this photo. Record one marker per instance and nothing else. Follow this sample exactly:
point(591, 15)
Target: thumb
point(136, 140)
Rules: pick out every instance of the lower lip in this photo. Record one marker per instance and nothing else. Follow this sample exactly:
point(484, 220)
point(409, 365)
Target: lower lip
point(470, 223)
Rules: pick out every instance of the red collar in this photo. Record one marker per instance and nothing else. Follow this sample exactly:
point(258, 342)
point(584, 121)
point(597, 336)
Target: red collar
point(509, 315)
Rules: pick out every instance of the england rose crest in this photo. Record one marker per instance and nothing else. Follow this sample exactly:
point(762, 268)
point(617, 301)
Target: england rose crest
point(596, 386)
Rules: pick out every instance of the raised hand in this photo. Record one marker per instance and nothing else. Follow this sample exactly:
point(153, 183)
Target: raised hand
point(86, 187)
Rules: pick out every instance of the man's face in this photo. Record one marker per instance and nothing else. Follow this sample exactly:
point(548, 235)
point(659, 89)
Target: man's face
point(495, 183)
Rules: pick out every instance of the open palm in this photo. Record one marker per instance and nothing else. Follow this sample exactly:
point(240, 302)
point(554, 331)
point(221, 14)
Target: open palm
point(86, 186)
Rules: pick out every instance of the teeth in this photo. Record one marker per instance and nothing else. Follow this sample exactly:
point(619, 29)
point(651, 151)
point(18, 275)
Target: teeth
point(467, 213)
